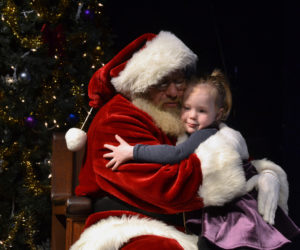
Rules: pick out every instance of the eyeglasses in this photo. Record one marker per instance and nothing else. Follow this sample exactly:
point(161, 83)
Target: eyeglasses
point(180, 84)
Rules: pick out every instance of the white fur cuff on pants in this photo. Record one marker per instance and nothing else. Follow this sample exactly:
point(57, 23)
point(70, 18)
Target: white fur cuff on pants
point(113, 232)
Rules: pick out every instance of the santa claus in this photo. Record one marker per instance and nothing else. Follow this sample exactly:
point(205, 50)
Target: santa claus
point(142, 205)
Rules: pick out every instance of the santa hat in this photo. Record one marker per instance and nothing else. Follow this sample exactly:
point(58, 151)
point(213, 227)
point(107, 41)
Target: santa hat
point(140, 65)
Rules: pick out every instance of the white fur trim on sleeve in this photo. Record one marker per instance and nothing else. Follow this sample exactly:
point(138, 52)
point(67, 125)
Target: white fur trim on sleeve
point(236, 139)
point(223, 174)
point(162, 55)
point(264, 164)
point(114, 232)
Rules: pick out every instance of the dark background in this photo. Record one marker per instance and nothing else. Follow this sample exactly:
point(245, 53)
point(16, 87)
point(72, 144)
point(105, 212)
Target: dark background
point(255, 43)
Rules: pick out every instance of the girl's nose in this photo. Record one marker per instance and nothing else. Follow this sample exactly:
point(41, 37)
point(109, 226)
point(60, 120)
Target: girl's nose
point(192, 114)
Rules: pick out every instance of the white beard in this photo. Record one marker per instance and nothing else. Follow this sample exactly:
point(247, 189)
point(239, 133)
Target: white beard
point(168, 122)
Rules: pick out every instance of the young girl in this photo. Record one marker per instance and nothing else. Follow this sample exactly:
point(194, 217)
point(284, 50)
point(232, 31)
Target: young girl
point(207, 102)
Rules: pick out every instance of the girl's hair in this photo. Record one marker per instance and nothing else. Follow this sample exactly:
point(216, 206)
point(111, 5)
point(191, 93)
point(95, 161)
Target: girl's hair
point(219, 81)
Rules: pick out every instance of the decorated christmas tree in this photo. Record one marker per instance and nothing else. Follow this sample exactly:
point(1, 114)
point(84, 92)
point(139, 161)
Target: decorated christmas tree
point(48, 51)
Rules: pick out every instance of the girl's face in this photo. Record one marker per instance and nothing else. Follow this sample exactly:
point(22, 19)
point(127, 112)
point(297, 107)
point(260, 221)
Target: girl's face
point(199, 108)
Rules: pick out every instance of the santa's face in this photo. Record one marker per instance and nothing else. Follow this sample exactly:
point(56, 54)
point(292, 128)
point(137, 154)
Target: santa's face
point(168, 93)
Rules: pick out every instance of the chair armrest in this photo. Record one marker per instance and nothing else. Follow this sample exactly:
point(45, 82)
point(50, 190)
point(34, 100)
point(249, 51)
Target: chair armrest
point(78, 206)
point(62, 170)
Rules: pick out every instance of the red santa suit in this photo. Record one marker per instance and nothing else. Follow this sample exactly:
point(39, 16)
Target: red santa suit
point(208, 177)
point(152, 187)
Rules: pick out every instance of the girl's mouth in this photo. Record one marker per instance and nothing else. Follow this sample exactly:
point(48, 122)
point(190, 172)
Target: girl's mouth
point(192, 125)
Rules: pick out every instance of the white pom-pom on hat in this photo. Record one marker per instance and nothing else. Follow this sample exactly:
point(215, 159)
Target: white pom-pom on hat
point(75, 139)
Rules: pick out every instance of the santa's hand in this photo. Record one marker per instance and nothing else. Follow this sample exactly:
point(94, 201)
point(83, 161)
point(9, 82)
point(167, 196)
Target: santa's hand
point(268, 187)
point(119, 154)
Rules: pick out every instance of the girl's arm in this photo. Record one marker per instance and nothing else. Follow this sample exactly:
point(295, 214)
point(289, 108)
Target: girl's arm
point(163, 154)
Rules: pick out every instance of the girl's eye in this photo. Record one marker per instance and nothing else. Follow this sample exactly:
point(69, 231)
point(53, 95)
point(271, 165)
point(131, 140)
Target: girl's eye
point(186, 108)
point(201, 111)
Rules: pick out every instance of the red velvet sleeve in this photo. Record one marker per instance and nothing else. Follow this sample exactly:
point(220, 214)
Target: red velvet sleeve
point(153, 187)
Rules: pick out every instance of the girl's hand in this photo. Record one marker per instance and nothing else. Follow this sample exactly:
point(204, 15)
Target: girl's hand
point(119, 154)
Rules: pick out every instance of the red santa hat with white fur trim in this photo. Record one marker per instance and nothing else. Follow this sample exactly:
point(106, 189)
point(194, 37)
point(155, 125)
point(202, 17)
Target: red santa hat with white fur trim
point(140, 65)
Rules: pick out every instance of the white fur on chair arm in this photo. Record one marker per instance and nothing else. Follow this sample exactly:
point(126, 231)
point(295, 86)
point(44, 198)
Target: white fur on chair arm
point(263, 165)
point(223, 174)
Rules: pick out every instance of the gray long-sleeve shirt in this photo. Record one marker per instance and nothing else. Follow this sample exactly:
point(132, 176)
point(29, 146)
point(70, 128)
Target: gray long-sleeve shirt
point(165, 154)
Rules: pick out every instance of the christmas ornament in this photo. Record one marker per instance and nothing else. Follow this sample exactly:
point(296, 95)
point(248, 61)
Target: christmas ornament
point(25, 76)
point(88, 14)
point(30, 121)
point(73, 118)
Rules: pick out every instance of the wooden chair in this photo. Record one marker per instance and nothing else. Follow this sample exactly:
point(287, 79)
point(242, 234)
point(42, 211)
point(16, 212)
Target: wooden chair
point(68, 211)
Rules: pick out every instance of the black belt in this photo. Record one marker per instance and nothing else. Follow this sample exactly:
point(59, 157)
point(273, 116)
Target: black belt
point(108, 203)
